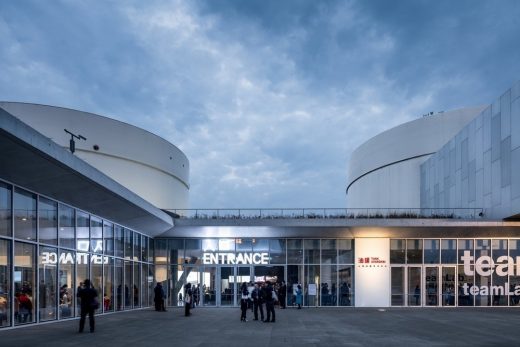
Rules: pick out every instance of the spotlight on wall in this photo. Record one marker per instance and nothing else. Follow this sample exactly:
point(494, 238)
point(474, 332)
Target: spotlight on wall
point(481, 214)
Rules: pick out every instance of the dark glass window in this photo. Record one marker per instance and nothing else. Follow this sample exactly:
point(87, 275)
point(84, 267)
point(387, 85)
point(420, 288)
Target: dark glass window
point(5, 209)
point(294, 251)
point(24, 215)
point(329, 252)
point(108, 237)
point(119, 238)
point(82, 231)
point(346, 251)
point(277, 251)
point(311, 251)
point(431, 251)
point(66, 226)
point(449, 251)
point(48, 221)
point(397, 251)
point(414, 254)
point(96, 235)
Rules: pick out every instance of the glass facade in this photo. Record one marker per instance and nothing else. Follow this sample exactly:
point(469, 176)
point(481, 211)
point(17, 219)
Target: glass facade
point(216, 268)
point(455, 272)
point(48, 248)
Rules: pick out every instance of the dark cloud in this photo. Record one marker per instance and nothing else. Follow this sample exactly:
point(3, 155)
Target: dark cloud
point(267, 98)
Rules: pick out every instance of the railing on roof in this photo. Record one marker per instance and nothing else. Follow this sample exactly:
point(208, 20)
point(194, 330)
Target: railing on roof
point(328, 213)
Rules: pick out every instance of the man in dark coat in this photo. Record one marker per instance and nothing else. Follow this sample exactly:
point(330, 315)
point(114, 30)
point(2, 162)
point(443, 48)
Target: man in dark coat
point(89, 304)
point(269, 304)
point(282, 292)
point(159, 297)
point(257, 297)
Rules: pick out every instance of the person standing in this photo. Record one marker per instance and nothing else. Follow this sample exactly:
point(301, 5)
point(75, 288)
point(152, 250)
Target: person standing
point(89, 304)
point(257, 302)
point(244, 299)
point(159, 297)
point(299, 296)
point(282, 293)
point(269, 304)
point(188, 297)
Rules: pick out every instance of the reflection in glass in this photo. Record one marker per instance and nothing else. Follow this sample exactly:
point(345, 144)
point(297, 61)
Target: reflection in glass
point(108, 237)
point(128, 284)
point(5, 210)
point(129, 244)
point(227, 285)
point(499, 248)
point(66, 226)
point(108, 288)
point(24, 282)
point(448, 286)
point(329, 252)
point(136, 291)
point(414, 251)
point(223, 245)
point(82, 232)
point(346, 285)
point(329, 285)
point(431, 251)
point(48, 221)
point(96, 235)
point(176, 247)
point(311, 251)
point(294, 277)
point(397, 279)
point(464, 295)
point(137, 247)
point(193, 253)
point(118, 283)
point(260, 245)
point(449, 251)
point(294, 251)
point(119, 237)
point(96, 278)
point(431, 283)
point(312, 282)
point(5, 283)
point(464, 245)
point(47, 286)
point(244, 245)
point(66, 281)
point(209, 277)
point(277, 251)
point(397, 251)
point(414, 286)
point(346, 251)
point(24, 215)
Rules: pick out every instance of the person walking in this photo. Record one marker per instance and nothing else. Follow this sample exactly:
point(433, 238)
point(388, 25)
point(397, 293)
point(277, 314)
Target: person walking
point(244, 300)
point(159, 297)
point(188, 296)
point(269, 303)
point(282, 293)
point(257, 302)
point(299, 296)
point(89, 304)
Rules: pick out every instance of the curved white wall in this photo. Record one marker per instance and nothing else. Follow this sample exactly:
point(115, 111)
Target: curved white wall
point(143, 162)
point(384, 172)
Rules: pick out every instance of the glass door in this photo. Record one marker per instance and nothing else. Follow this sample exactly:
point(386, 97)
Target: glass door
point(414, 286)
point(243, 276)
point(398, 286)
point(209, 289)
point(227, 285)
point(448, 286)
point(431, 284)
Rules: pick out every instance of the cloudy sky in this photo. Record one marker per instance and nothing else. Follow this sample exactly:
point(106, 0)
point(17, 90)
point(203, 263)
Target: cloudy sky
point(267, 98)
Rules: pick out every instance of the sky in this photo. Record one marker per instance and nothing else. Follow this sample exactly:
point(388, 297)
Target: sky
point(267, 98)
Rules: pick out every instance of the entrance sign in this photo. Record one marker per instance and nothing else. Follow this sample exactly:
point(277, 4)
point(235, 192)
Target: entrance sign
point(485, 266)
point(235, 258)
point(51, 258)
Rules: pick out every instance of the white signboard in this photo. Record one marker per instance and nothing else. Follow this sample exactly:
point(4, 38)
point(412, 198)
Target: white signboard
point(235, 258)
point(311, 289)
point(372, 274)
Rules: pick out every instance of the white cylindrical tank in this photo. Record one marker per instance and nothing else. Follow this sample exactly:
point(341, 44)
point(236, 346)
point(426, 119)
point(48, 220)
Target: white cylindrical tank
point(143, 162)
point(384, 172)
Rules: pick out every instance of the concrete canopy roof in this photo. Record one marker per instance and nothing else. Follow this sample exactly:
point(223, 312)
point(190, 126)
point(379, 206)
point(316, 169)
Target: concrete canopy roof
point(29, 159)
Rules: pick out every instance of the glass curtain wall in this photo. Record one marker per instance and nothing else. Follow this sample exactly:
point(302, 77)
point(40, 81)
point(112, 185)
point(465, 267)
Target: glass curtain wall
point(322, 267)
point(53, 248)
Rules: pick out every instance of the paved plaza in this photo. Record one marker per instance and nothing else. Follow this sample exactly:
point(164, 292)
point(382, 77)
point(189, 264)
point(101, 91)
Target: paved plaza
point(306, 327)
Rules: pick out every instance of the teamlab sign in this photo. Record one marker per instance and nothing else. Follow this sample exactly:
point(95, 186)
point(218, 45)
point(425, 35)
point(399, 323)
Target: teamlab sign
point(485, 266)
